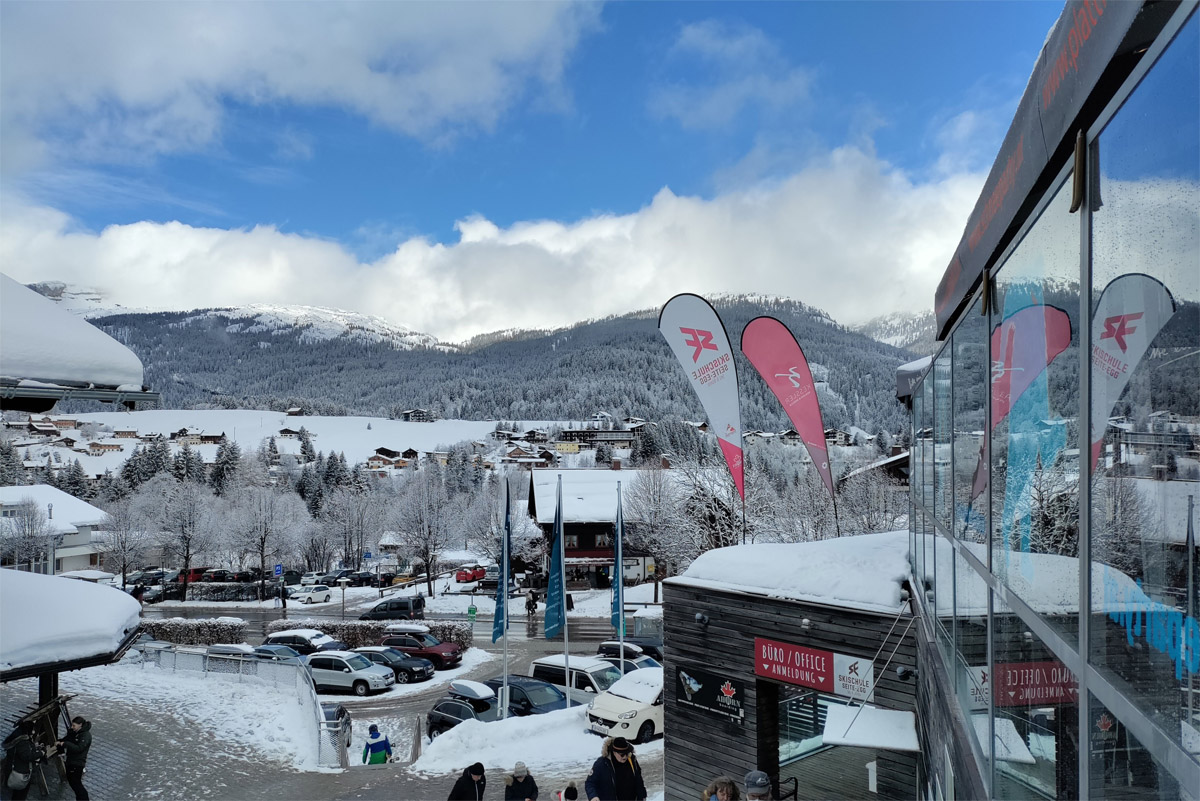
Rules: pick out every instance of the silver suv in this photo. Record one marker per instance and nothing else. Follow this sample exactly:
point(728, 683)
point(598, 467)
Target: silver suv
point(343, 671)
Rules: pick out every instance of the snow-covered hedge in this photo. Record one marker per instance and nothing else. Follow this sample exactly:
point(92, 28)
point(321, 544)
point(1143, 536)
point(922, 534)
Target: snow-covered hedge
point(207, 631)
point(356, 633)
point(224, 591)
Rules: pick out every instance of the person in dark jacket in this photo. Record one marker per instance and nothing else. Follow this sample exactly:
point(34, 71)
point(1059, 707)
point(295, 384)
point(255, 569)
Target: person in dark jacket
point(519, 785)
point(76, 743)
point(21, 757)
point(470, 784)
point(616, 775)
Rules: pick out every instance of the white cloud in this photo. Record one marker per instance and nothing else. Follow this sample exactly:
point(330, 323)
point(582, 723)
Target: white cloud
point(847, 233)
point(119, 81)
point(744, 70)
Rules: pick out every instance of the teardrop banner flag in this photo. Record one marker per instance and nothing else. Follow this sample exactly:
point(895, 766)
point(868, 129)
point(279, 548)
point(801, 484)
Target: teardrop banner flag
point(1023, 346)
point(698, 339)
point(775, 353)
point(1132, 310)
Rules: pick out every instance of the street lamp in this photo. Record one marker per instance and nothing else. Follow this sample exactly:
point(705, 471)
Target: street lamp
point(343, 581)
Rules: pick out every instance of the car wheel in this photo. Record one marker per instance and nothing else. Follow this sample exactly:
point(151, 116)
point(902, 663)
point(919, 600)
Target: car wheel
point(327, 597)
point(402, 678)
point(434, 733)
point(360, 689)
point(646, 732)
point(308, 600)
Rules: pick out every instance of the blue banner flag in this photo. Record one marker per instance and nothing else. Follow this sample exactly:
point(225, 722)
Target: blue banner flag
point(618, 575)
point(556, 599)
point(500, 621)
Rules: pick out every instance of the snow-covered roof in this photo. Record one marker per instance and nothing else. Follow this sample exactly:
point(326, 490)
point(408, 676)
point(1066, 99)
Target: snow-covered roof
point(40, 341)
point(69, 512)
point(870, 727)
point(641, 685)
point(863, 572)
point(75, 620)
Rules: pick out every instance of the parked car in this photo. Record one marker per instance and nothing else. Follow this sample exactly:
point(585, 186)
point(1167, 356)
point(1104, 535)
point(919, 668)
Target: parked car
point(530, 696)
point(312, 578)
point(243, 576)
point(192, 574)
point(417, 641)
point(407, 668)
point(490, 579)
point(317, 593)
point(412, 608)
point(232, 650)
point(632, 704)
point(216, 574)
point(589, 674)
point(464, 700)
point(162, 592)
point(280, 653)
point(148, 577)
point(331, 578)
point(343, 671)
point(305, 641)
point(335, 713)
point(635, 658)
point(470, 573)
point(384, 579)
point(361, 578)
point(291, 577)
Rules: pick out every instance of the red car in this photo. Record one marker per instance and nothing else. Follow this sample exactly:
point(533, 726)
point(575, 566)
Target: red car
point(443, 655)
point(470, 573)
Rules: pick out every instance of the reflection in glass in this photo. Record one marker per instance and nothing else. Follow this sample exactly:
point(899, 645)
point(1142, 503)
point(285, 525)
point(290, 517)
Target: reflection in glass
point(1145, 426)
point(1118, 766)
point(970, 396)
point(943, 424)
point(972, 676)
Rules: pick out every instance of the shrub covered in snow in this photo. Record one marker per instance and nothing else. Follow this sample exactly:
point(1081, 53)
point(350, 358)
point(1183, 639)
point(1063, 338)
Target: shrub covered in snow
point(224, 591)
point(206, 631)
point(356, 633)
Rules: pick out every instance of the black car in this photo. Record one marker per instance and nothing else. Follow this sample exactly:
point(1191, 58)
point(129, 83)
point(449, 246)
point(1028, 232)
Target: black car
point(162, 592)
point(407, 668)
point(291, 577)
point(216, 574)
point(384, 580)
point(362, 578)
point(407, 608)
point(465, 700)
point(305, 641)
point(335, 714)
point(242, 575)
point(331, 579)
point(530, 696)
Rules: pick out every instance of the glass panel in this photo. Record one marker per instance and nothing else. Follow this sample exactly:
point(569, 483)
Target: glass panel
point(943, 424)
point(1036, 708)
point(927, 482)
point(1118, 766)
point(1146, 394)
point(970, 396)
point(971, 672)
point(919, 553)
point(943, 591)
point(1034, 347)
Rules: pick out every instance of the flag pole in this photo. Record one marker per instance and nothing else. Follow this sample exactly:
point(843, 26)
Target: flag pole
point(504, 580)
point(619, 585)
point(562, 555)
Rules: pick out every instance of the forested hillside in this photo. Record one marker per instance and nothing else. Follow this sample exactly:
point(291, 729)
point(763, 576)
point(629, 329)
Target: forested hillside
point(621, 365)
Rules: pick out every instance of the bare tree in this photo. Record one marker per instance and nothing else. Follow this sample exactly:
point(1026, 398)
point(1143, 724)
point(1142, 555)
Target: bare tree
point(185, 519)
point(871, 501)
point(264, 520)
point(351, 517)
point(124, 540)
point(425, 520)
point(27, 535)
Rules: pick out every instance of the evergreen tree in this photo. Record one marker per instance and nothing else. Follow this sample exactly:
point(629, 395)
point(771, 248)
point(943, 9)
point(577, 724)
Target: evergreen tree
point(306, 447)
point(73, 480)
point(12, 471)
point(225, 467)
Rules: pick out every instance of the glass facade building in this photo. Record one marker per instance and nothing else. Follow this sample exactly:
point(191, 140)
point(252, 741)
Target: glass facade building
point(1056, 435)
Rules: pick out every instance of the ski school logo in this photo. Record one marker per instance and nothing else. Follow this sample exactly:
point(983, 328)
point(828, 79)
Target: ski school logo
point(998, 370)
point(698, 339)
point(690, 685)
point(793, 376)
point(1117, 328)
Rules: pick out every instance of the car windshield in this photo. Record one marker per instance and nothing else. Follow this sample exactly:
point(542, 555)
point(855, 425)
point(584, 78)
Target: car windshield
point(544, 694)
point(358, 662)
point(427, 640)
point(604, 677)
point(486, 710)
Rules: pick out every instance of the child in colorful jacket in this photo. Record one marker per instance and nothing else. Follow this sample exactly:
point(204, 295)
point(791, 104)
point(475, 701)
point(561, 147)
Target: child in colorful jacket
point(378, 749)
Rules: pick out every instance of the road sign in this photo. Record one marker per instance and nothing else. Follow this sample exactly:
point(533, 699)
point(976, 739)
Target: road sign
point(279, 570)
point(367, 555)
point(471, 610)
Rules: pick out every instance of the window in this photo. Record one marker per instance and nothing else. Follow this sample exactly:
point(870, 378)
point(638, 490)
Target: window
point(604, 540)
point(571, 540)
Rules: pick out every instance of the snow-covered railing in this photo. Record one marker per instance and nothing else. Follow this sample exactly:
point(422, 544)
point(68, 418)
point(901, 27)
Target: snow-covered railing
point(228, 667)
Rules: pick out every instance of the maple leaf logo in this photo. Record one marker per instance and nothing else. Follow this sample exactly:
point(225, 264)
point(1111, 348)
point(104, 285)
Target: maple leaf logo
point(1104, 723)
point(727, 690)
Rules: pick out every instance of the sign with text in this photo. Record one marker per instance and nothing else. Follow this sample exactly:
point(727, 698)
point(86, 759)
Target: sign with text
point(700, 689)
point(1034, 683)
point(850, 676)
point(279, 570)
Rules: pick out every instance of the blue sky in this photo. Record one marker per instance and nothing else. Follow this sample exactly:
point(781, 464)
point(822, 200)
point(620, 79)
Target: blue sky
point(501, 164)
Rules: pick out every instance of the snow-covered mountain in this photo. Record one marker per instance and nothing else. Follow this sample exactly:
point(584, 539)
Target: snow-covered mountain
point(908, 330)
point(308, 323)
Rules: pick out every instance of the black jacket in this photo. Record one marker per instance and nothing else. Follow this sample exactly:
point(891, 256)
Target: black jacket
point(602, 781)
point(76, 744)
point(466, 788)
point(20, 753)
point(519, 791)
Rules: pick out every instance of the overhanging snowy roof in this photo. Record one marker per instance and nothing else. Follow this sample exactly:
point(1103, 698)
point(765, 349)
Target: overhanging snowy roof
point(870, 727)
point(68, 513)
point(863, 572)
point(589, 496)
point(77, 624)
point(48, 353)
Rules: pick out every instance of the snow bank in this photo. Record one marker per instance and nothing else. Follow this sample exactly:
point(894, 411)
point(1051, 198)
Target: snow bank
point(863, 572)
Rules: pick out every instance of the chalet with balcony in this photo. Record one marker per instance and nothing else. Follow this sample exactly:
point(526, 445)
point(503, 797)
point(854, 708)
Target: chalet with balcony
point(417, 416)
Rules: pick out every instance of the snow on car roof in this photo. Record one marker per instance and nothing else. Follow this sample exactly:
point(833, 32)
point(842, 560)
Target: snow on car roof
point(642, 685)
point(581, 661)
point(309, 634)
point(472, 689)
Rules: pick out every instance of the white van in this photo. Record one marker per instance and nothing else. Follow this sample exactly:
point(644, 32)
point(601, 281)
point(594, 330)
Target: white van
point(589, 676)
point(632, 704)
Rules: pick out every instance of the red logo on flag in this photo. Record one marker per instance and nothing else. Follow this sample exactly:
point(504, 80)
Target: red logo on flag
point(1104, 722)
point(727, 690)
point(700, 340)
point(1118, 327)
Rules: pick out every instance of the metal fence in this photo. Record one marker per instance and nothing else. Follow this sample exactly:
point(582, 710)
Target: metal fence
point(330, 735)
